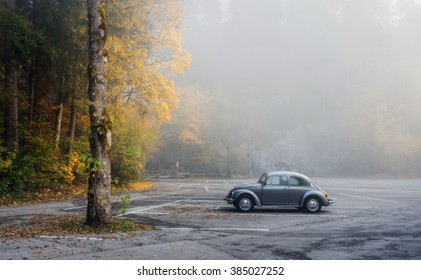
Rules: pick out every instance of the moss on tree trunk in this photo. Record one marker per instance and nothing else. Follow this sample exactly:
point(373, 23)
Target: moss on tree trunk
point(99, 192)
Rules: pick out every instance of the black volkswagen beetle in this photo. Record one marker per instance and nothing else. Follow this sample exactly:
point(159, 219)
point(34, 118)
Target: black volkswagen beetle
point(279, 188)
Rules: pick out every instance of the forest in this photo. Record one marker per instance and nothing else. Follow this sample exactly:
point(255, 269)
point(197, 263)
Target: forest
point(44, 113)
point(228, 88)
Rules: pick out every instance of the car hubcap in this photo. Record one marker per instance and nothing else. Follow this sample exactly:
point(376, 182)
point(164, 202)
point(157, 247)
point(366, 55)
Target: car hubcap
point(313, 205)
point(245, 203)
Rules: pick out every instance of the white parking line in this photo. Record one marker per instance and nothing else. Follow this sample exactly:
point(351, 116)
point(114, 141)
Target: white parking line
point(371, 198)
point(149, 208)
point(216, 229)
point(155, 213)
point(236, 229)
point(71, 237)
point(67, 209)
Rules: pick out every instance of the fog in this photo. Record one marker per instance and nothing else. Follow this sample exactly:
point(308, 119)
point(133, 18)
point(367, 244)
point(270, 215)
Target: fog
point(328, 87)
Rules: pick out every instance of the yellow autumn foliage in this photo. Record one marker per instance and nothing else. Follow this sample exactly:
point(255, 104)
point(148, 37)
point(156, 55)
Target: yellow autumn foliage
point(144, 48)
point(72, 165)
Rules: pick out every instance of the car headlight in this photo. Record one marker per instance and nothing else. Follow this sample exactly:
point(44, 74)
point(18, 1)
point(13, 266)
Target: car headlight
point(325, 194)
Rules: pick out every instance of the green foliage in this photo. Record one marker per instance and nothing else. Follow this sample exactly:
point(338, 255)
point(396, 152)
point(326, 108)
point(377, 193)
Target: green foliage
point(90, 163)
point(122, 201)
point(17, 37)
point(38, 164)
point(6, 158)
point(130, 150)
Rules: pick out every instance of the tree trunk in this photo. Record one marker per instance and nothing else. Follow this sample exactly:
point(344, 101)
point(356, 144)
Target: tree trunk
point(32, 90)
point(11, 110)
point(72, 127)
point(10, 136)
point(57, 131)
point(99, 190)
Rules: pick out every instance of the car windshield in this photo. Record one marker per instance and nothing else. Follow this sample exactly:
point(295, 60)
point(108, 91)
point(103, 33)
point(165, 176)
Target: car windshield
point(262, 178)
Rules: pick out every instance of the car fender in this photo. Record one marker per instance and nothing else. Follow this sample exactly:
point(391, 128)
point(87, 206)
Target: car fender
point(314, 193)
point(240, 192)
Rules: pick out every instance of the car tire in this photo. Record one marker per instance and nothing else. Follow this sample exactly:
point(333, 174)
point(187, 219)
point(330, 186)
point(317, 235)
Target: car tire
point(244, 203)
point(312, 204)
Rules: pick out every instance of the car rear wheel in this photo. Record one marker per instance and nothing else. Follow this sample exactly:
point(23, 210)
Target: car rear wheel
point(312, 205)
point(244, 203)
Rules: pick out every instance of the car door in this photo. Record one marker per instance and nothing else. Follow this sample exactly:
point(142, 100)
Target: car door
point(275, 191)
point(297, 187)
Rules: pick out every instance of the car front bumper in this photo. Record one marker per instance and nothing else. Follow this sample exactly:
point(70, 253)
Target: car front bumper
point(329, 202)
point(229, 200)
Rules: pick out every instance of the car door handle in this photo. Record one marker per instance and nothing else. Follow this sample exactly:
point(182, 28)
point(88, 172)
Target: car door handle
point(285, 189)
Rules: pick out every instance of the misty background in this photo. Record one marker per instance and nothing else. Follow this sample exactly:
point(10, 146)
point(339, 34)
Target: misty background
point(328, 87)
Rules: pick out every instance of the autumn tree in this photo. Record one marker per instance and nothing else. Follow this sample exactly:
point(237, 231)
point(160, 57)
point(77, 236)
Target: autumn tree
point(99, 190)
point(145, 52)
point(43, 61)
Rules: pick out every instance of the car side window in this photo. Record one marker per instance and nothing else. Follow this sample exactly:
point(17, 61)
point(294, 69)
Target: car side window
point(274, 180)
point(284, 181)
point(277, 181)
point(298, 182)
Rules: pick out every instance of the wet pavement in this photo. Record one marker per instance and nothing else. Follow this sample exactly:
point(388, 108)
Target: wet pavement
point(371, 219)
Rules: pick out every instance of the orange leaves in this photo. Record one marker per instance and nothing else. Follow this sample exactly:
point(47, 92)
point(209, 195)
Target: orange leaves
point(139, 186)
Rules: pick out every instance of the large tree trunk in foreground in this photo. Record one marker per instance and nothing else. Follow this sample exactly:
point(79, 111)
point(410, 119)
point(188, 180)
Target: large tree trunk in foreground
point(99, 191)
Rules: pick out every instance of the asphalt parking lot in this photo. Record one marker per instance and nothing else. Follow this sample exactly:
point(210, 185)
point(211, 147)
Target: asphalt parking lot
point(371, 219)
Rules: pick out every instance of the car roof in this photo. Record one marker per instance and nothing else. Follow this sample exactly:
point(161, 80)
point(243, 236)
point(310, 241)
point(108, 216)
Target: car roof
point(286, 173)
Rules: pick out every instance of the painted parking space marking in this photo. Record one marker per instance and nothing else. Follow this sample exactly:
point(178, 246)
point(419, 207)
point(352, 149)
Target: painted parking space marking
point(71, 237)
point(74, 208)
point(215, 229)
point(149, 208)
point(155, 213)
point(370, 198)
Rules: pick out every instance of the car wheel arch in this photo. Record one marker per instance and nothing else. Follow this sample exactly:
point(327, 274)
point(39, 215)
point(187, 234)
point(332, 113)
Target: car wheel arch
point(248, 192)
point(308, 194)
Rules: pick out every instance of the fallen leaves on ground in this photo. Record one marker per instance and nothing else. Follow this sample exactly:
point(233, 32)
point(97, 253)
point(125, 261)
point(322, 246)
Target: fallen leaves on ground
point(65, 225)
point(139, 186)
point(61, 193)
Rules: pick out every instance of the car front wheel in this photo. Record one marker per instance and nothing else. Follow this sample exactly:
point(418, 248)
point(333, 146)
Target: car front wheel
point(244, 203)
point(312, 205)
